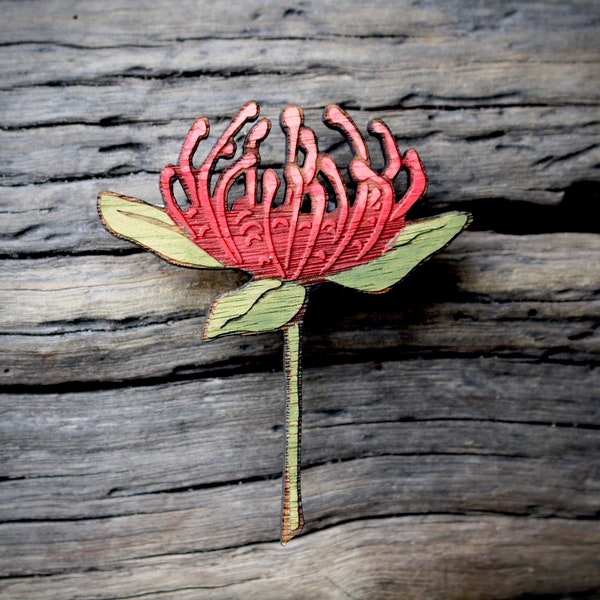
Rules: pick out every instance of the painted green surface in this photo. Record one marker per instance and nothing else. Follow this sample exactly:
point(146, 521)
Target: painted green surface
point(263, 305)
point(416, 242)
point(152, 228)
point(293, 520)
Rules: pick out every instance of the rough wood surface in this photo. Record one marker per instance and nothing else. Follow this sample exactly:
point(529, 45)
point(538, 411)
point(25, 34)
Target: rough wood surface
point(451, 445)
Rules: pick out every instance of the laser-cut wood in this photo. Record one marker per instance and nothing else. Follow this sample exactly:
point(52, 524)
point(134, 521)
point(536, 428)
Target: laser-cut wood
point(309, 237)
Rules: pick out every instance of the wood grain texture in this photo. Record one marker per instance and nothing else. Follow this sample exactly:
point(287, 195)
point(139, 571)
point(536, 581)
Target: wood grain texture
point(146, 320)
point(451, 426)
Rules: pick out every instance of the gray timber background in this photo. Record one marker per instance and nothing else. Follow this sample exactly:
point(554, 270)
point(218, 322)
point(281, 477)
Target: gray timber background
point(451, 444)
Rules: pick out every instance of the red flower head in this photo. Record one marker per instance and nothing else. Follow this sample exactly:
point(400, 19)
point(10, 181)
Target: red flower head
point(310, 235)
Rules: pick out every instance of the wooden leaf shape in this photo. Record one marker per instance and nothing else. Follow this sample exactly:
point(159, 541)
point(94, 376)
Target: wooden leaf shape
point(416, 242)
point(263, 305)
point(152, 228)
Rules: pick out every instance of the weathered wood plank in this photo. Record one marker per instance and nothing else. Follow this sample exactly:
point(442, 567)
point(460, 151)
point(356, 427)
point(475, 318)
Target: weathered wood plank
point(33, 64)
point(536, 146)
point(511, 54)
point(105, 318)
point(241, 514)
point(458, 438)
point(187, 415)
point(507, 467)
point(152, 100)
point(120, 22)
point(494, 267)
point(451, 426)
point(446, 556)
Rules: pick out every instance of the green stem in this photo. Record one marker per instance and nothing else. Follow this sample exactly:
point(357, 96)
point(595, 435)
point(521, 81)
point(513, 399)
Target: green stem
point(292, 517)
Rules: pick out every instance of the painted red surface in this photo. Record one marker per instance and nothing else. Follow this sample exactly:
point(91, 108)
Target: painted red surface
point(312, 233)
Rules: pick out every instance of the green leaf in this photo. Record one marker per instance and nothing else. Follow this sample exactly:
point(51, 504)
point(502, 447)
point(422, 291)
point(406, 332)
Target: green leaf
point(264, 305)
point(152, 228)
point(416, 242)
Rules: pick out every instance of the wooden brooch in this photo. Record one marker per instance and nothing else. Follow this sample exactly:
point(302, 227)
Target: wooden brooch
point(315, 231)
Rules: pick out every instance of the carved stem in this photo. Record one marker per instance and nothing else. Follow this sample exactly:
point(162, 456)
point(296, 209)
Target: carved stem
point(292, 517)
